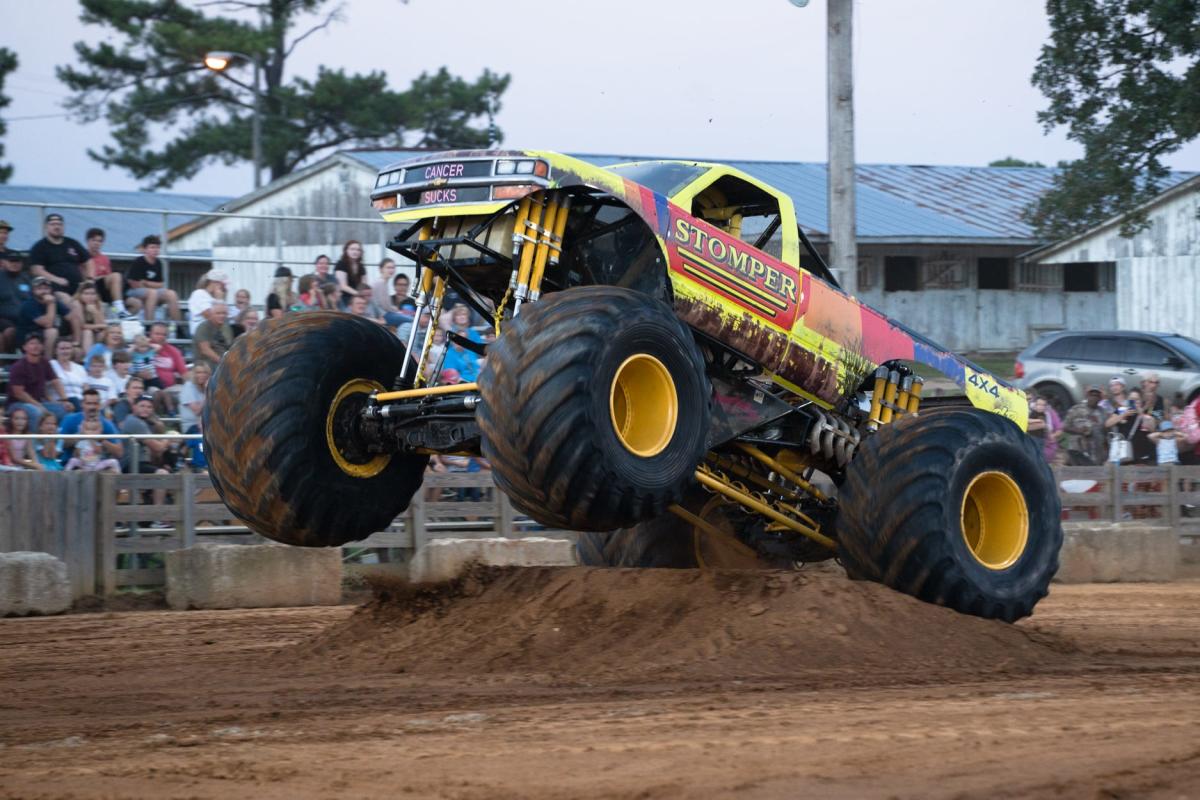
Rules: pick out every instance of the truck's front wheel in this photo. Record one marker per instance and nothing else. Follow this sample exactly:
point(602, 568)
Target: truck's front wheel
point(595, 409)
point(279, 433)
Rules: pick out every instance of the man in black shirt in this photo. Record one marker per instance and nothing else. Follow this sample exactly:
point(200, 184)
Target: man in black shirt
point(15, 286)
point(145, 281)
point(59, 258)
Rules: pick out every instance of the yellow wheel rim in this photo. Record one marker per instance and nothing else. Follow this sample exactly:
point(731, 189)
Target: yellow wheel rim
point(367, 469)
point(995, 520)
point(643, 405)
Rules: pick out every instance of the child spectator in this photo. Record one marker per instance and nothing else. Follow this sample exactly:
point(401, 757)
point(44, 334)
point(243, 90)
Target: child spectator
point(330, 293)
point(98, 381)
point(109, 284)
point(92, 312)
point(310, 293)
point(121, 409)
point(146, 284)
point(1166, 441)
point(46, 451)
point(119, 374)
point(141, 358)
point(110, 342)
point(20, 450)
point(88, 456)
point(241, 301)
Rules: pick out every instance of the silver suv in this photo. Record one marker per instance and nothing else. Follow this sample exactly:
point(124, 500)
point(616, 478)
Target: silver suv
point(1062, 365)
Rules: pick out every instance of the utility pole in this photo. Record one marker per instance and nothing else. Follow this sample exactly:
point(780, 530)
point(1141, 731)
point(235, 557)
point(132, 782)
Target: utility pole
point(843, 249)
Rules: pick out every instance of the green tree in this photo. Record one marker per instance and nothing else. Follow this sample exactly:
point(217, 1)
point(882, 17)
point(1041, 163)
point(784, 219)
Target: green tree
point(170, 116)
point(1010, 161)
point(8, 62)
point(1123, 77)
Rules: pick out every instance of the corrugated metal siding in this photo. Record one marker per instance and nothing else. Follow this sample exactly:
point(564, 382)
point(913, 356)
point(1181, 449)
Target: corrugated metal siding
point(124, 230)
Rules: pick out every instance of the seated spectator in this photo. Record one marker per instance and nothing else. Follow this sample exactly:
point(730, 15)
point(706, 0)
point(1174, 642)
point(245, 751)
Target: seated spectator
point(110, 342)
point(43, 313)
point(98, 381)
point(145, 282)
point(322, 272)
point(119, 374)
point(246, 321)
point(20, 450)
point(361, 306)
point(141, 360)
point(281, 298)
point(330, 297)
point(71, 424)
point(241, 301)
point(382, 289)
point(210, 289)
point(71, 374)
point(46, 450)
point(121, 409)
point(405, 307)
point(199, 461)
point(214, 337)
point(89, 457)
point(350, 272)
point(92, 312)
point(30, 378)
point(310, 294)
point(110, 285)
point(15, 286)
point(154, 455)
point(191, 398)
point(169, 367)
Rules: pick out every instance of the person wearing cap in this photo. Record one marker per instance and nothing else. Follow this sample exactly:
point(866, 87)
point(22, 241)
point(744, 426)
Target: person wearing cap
point(281, 298)
point(5, 230)
point(41, 313)
point(145, 281)
point(1117, 398)
point(1166, 442)
point(15, 286)
point(212, 287)
point(1083, 427)
point(59, 258)
point(28, 380)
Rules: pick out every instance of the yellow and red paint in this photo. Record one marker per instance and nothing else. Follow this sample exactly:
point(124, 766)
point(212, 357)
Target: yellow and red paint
point(811, 337)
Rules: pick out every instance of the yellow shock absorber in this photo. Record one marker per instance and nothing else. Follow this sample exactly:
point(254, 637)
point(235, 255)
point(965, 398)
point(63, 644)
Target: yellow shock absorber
point(533, 226)
point(754, 504)
point(775, 466)
point(889, 397)
point(518, 239)
point(905, 391)
point(424, 284)
point(881, 375)
point(914, 399)
point(549, 220)
point(435, 310)
point(555, 245)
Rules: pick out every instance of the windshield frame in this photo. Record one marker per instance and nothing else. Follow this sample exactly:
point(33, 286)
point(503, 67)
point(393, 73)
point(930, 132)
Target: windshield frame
point(667, 178)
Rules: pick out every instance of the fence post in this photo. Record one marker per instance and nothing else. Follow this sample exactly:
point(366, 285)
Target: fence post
point(106, 546)
point(416, 519)
point(187, 505)
point(1115, 485)
point(1172, 496)
point(504, 514)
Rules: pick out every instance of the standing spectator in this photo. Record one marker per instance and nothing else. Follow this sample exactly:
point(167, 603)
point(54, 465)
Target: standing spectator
point(246, 321)
point(211, 288)
point(214, 337)
point(281, 298)
point(71, 375)
point(382, 289)
point(109, 284)
point(59, 259)
point(241, 301)
point(72, 423)
point(28, 380)
point(146, 281)
point(121, 409)
point(1188, 424)
point(350, 273)
point(1084, 430)
point(1152, 403)
point(1130, 423)
point(98, 381)
point(110, 342)
point(1045, 426)
point(41, 313)
point(88, 456)
point(1116, 395)
point(191, 398)
point(46, 449)
point(15, 288)
point(93, 316)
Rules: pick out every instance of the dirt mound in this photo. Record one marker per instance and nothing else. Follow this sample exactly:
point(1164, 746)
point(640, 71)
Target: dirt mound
point(606, 624)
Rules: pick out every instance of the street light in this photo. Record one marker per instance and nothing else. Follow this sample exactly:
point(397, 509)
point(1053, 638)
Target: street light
point(219, 61)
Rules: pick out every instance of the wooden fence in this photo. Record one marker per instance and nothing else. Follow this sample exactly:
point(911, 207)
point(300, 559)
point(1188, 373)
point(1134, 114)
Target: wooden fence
point(99, 524)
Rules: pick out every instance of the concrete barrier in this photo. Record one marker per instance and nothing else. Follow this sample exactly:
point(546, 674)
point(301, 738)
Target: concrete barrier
point(33, 583)
point(253, 576)
point(442, 559)
point(1121, 552)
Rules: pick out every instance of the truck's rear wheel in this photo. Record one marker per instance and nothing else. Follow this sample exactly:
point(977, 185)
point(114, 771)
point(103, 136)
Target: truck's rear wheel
point(956, 507)
point(279, 437)
point(595, 408)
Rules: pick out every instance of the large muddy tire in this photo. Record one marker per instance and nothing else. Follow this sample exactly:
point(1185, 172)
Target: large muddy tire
point(955, 507)
point(276, 434)
point(595, 408)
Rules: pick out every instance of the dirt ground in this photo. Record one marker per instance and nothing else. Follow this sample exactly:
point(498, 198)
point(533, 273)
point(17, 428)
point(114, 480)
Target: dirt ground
point(564, 683)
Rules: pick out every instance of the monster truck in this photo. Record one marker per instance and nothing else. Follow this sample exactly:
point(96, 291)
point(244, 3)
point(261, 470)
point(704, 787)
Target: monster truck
point(676, 373)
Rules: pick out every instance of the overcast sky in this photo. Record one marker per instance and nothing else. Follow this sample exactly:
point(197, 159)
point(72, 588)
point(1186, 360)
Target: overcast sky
point(937, 81)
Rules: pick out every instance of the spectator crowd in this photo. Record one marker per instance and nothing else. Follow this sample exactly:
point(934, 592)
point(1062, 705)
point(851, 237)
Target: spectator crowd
point(1120, 424)
point(95, 354)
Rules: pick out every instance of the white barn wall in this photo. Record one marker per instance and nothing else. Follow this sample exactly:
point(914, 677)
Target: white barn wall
point(1159, 293)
